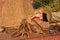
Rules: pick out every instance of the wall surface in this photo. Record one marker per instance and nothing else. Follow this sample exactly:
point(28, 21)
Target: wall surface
point(13, 11)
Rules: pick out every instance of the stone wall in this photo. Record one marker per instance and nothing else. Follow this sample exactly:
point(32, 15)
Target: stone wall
point(13, 11)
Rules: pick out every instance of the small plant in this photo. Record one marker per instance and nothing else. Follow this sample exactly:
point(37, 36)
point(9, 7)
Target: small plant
point(52, 5)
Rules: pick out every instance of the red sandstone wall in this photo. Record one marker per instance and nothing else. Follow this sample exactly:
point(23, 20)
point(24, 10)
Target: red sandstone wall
point(13, 11)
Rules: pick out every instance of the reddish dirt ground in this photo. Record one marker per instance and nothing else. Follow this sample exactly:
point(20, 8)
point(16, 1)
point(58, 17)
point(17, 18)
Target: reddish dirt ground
point(4, 36)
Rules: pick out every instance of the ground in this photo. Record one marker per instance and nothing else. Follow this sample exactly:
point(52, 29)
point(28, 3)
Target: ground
point(4, 36)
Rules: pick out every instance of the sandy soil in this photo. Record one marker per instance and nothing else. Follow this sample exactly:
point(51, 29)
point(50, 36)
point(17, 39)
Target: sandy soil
point(4, 36)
